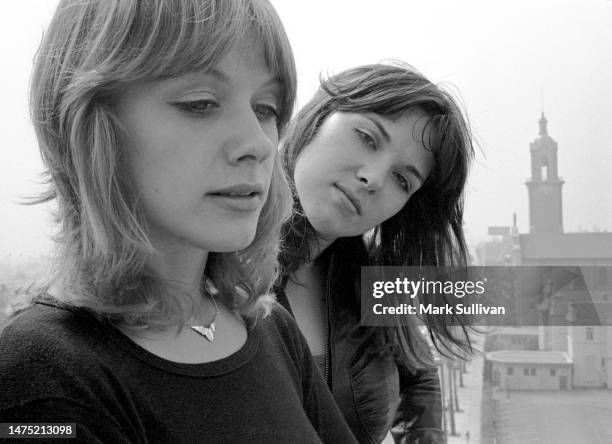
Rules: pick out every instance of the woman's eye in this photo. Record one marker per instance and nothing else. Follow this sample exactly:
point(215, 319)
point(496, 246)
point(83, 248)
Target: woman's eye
point(265, 112)
point(404, 183)
point(198, 106)
point(367, 139)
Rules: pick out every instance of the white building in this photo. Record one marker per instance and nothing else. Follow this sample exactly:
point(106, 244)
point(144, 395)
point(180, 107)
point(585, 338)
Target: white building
point(530, 370)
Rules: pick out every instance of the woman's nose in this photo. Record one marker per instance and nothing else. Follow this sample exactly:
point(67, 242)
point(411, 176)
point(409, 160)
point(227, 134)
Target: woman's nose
point(249, 141)
point(371, 177)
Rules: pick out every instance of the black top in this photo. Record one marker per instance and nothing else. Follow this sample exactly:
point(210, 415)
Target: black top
point(373, 386)
point(60, 365)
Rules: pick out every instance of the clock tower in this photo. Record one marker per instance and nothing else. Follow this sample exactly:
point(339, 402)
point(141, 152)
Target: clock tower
point(544, 186)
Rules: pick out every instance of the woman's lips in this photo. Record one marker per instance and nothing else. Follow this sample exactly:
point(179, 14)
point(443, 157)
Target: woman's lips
point(350, 196)
point(239, 197)
point(235, 202)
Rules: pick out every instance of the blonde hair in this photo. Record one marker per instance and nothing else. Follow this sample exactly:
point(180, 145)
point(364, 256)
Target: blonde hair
point(91, 50)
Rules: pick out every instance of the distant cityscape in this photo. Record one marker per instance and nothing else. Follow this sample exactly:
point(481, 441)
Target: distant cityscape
point(550, 366)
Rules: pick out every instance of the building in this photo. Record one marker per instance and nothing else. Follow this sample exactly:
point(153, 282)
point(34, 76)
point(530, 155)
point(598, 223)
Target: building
point(512, 338)
point(502, 249)
point(545, 185)
point(529, 370)
point(576, 316)
point(590, 349)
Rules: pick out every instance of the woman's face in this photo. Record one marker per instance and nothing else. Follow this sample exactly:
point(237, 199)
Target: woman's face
point(201, 148)
point(359, 170)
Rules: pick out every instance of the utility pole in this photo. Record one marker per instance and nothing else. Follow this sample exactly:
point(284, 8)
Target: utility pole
point(457, 409)
point(443, 395)
point(453, 431)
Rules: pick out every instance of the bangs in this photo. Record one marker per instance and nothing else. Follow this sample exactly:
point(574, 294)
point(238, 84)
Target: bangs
point(177, 37)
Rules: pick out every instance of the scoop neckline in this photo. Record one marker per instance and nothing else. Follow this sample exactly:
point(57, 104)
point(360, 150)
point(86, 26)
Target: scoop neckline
point(219, 367)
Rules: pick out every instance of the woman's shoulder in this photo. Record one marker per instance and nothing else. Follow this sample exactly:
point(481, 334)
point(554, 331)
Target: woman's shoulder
point(44, 326)
point(281, 320)
point(46, 330)
point(281, 327)
point(44, 350)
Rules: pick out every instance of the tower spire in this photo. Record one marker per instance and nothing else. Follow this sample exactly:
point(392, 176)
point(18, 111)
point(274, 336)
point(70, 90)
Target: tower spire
point(543, 122)
point(543, 125)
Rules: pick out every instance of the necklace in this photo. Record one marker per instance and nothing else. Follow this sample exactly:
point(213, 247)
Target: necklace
point(207, 331)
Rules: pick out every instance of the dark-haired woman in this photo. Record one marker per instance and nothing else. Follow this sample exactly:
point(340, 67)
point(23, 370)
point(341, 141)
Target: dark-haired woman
point(381, 148)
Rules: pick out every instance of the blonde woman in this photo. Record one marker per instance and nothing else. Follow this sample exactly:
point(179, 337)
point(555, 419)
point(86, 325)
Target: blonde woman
point(158, 122)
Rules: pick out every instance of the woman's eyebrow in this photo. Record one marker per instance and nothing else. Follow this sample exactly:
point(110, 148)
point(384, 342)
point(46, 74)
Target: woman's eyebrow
point(224, 77)
point(379, 125)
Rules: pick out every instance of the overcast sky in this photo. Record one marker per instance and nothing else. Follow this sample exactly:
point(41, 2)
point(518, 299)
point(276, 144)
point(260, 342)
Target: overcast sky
point(497, 56)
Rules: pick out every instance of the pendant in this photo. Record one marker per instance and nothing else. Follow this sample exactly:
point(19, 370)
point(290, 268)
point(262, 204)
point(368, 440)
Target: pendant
point(207, 332)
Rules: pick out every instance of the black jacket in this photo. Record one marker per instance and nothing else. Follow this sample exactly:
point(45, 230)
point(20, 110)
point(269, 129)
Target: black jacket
point(375, 391)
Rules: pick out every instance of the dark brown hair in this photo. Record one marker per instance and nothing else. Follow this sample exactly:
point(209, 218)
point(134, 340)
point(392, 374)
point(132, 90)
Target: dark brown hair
point(428, 230)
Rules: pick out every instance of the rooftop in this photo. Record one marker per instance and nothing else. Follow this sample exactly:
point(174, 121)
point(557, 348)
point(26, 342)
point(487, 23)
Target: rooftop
point(525, 331)
point(529, 357)
point(566, 246)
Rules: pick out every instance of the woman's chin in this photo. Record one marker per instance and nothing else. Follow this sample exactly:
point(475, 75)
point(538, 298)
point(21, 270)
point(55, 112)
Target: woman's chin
point(228, 243)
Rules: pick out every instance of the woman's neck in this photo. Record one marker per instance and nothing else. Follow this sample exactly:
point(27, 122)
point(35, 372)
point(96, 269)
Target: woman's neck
point(180, 264)
point(318, 246)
